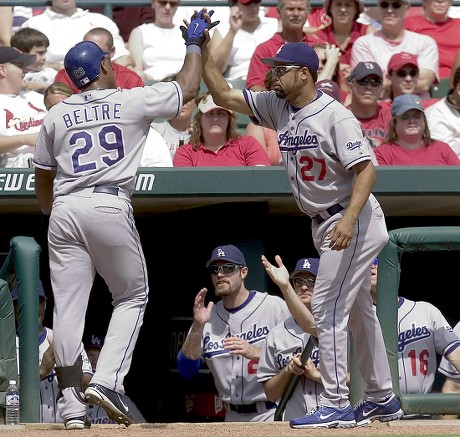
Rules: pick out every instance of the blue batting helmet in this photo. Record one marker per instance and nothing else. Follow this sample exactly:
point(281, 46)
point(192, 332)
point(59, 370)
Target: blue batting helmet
point(83, 62)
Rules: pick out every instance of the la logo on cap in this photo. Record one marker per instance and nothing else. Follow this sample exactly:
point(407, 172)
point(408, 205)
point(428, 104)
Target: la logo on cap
point(306, 264)
point(220, 252)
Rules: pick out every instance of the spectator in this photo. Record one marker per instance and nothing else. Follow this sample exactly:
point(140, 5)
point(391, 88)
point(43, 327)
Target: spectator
point(343, 29)
point(452, 381)
point(49, 390)
point(409, 141)
point(445, 30)
point(97, 415)
point(365, 84)
point(455, 65)
point(176, 131)
point(379, 46)
point(266, 137)
point(56, 93)
point(129, 17)
point(125, 78)
point(293, 15)
point(157, 48)
point(444, 116)
point(234, 43)
point(34, 42)
point(65, 25)
point(23, 110)
point(215, 140)
point(329, 65)
point(423, 333)
point(280, 355)
point(6, 25)
point(228, 336)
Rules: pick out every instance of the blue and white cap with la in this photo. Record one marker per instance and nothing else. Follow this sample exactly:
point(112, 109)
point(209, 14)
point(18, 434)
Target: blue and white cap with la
point(310, 265)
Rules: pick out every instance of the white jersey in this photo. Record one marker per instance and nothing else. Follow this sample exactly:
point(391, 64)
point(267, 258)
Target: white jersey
point(283, 342)
point(156, 152)
point(74, 133)
point(64, 32)
point(20, 115)
point(49, 390)
point(319, 144)
point(446, 367)
point(423, 332)
point(171, 135)
point(235, 377)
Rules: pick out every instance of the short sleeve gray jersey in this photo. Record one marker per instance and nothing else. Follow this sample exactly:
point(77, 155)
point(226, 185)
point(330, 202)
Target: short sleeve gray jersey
point(97, 137)
point(319, 144)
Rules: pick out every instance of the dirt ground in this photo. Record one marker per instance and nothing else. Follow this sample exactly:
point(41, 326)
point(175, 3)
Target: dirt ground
point(272, 429)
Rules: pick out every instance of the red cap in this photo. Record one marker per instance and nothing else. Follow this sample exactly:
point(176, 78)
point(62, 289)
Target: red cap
point(399, 60)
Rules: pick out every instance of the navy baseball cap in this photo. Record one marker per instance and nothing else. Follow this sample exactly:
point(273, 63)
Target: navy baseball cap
point(227, 253)
point(83, 62)
point(297, 53)
point(310, 265)
point(364, 69)
point(406, 102)
point(93, 340)
point(12, 54)
point(41, 291)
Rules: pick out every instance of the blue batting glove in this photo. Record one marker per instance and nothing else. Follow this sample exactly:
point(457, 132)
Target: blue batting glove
point(194, 33)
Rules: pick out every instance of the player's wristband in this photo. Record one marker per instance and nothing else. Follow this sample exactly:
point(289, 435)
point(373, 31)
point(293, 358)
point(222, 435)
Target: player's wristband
point(193, 48)
point(187, 368)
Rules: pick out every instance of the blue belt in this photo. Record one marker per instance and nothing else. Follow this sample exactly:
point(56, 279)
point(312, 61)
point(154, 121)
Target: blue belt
point(105, 189)
point(250, 408)
point(334, 209)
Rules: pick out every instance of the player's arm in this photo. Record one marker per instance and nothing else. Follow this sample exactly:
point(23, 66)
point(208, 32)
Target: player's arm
point(44, 189)
point(299, 311)
point(342, 233)
point(10, 143)
point(221, 93)
point(454, 358)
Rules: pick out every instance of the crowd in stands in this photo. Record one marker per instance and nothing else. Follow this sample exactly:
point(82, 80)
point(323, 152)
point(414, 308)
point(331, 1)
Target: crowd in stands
point(369, 56)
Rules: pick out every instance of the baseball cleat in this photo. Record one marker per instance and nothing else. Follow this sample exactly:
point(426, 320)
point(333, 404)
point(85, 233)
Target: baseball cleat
point(367, 411)
point(111, 401)
point(80, 422)
point(326, 417)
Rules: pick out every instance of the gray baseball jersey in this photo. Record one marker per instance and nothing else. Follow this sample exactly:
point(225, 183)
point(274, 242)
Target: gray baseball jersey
point(283, 342)
point(324, 140)
point(235, 377)
point(446, 367)
point(320, 143)
point(97, 137)
point(423, 332)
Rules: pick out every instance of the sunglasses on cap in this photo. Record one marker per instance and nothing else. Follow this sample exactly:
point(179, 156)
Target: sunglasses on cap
point(394, 5)
point(224, 268)
point(404, 73)
point(369, 81)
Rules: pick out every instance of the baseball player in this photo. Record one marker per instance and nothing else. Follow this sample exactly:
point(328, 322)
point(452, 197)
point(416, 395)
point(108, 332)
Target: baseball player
point(280, 355)
point(452, 382)
point(423, 333)
point(228, 336)
point(331, 175)
point(89, 148)
point(49, 390)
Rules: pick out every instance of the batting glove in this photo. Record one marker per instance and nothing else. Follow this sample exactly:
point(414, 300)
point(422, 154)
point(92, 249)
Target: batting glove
point(194, 33)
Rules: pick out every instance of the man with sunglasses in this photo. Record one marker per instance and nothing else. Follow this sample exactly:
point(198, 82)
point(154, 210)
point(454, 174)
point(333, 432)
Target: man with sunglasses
point(394, 38)
point(366, 84)
point(280, 356)
point(331, 175)
point(228, 336)
point(23, 110)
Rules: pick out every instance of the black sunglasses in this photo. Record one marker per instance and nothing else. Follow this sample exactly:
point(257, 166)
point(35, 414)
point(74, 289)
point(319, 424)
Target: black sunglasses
point(368, 81)
point(404, 73)
point(224, 268)
point(395, 5)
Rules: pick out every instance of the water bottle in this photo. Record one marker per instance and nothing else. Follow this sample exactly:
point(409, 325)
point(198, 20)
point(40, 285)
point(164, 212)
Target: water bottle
point(12, 404)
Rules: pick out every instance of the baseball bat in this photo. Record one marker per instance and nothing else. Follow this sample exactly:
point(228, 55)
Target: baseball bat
point(292, 382)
